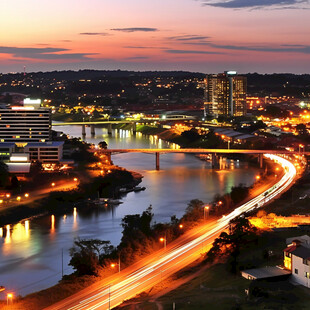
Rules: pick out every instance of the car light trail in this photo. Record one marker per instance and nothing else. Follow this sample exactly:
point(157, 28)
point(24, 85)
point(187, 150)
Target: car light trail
point(116, 289)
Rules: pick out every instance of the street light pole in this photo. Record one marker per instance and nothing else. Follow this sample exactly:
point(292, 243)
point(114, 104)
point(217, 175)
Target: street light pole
point(206, 208)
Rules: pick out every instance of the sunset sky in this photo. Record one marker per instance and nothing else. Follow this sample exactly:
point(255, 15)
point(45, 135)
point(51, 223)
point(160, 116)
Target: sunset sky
point(206, 36)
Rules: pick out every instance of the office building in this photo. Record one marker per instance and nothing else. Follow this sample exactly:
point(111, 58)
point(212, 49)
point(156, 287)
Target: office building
point(22, 124)
point(48, 152)
point(225, 94)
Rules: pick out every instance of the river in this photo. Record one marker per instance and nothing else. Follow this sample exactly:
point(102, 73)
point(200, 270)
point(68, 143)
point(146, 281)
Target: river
point(32, 252)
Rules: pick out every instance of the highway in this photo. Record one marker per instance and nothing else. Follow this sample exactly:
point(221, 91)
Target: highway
point(150, 271)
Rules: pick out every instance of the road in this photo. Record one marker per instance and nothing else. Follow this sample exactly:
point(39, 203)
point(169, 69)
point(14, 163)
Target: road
point(186, 249)
point(61, 185)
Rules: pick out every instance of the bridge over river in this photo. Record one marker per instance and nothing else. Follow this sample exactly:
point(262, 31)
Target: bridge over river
point(213, 152)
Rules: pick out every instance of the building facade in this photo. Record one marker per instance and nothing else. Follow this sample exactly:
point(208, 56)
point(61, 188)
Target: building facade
point(48, 152)
point(22, 124)
point(225, 94)
point(297, 260)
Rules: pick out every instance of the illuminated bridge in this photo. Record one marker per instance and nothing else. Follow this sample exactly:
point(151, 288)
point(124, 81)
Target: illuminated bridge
point(214, 153)
point(109, 123)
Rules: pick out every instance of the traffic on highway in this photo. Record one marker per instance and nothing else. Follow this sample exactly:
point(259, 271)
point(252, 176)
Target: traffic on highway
point(150, 271)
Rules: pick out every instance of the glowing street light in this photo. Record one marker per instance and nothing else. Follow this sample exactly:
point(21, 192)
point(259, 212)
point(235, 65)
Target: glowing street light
point(164, 240)
point(205, 209)
point(18, 198)
point(113, 265)
point(53, 184)
point(26, 195)
point(75, 179)
point(9, 298)
point(181, 226)
point(299, 147)
point(257, 177)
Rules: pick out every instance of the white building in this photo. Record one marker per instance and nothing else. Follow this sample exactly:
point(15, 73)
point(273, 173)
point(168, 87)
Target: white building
point(48, 152)
point(297, 260)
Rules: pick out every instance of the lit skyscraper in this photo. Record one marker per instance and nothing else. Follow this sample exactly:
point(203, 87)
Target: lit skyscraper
point(225, 94)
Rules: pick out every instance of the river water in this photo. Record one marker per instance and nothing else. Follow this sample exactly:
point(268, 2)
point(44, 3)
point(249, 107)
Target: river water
point(32, 252)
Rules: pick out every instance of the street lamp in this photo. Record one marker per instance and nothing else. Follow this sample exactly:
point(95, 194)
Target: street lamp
point(113, 265)
point(181, 226)
point(299, 147)
point(164, 240)
point(228, 144)
point(53, 184)
point(9, 296)
point(257, 177)
point(26, 195)
point(75, 179)
point(205, 209)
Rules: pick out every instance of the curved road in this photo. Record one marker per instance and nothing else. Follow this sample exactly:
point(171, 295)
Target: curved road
point(151, 270)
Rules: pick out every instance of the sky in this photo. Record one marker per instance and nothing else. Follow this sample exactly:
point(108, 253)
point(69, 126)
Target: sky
point(207, 36)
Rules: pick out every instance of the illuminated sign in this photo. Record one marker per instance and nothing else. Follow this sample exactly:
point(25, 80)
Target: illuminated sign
point(19, 157)
point(32, 101)
point(231, 72)
point(22, 108)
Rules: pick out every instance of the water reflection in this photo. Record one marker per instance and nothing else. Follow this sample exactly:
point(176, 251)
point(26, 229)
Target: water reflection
point(31, 250)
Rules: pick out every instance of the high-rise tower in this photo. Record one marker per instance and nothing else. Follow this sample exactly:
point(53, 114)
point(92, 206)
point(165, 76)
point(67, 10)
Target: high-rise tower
point(225, 94)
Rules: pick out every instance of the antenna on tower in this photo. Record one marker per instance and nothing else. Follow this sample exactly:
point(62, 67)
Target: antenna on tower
point(24, 70)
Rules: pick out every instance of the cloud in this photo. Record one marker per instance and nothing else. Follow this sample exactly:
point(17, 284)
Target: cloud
point(304, 49)
point(136, 58)
point(188, 38)
point(240, 4)
point(135, 29)
point(95, 34)
point(191, 52)
point(42, 53)
point(284, 48)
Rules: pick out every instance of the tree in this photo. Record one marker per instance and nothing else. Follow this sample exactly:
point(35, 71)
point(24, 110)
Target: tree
point(14, 182)
point(103, 145)
point(194, 210)
point(86, 255)
point(4, 174)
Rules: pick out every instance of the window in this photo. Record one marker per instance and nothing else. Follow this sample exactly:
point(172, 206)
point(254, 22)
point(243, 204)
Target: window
point(305, 262)
point(296, 271)
point(307, 275)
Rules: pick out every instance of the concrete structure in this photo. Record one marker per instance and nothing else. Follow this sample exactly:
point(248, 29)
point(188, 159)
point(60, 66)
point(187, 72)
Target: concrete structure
point(25, 124)
point(297, 260)
point(225, 94)
point(265, 273)
point(45, 152)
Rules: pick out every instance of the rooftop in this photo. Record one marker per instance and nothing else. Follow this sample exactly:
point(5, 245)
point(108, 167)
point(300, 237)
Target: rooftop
point(265, 272)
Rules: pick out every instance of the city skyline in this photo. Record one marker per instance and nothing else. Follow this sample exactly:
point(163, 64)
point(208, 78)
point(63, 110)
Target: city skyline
point(192, 35)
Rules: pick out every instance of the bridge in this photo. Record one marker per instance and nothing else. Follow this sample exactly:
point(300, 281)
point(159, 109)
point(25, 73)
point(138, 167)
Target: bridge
point(214, 153)
point(109, 123)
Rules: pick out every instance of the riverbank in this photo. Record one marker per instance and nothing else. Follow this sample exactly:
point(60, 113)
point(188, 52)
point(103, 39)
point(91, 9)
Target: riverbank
point(62, 202)
point(67, 287)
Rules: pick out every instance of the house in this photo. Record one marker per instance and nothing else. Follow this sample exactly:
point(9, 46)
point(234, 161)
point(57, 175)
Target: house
point(297, 259)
